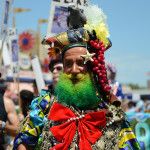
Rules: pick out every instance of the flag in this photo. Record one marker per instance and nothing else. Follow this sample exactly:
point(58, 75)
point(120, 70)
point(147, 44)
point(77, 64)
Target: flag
point(18, 10)
point(42, 21)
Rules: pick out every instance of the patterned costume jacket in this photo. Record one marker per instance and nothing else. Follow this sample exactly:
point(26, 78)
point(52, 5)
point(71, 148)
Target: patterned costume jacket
point(37, 131)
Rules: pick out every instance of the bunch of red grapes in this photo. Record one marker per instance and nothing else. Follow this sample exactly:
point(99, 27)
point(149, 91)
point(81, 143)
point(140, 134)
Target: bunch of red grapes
point(98, 64)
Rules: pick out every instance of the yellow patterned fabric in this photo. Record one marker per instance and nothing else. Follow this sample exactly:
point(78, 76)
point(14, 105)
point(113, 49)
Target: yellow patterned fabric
point(31, 129)
point(128, 140)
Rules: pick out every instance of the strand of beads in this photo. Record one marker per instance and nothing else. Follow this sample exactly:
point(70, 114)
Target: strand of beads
point(76, 118)
point(99, 64)
point(117, 116)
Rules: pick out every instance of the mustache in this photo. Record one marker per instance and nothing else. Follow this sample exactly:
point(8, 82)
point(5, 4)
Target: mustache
point(79, 76)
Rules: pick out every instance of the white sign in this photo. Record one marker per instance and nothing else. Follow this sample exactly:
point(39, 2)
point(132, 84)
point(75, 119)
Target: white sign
point(38, 73)
point(58, 15)
point(78, 2)
point(5, 55)
point(6, 11)
point(12, 33)
point(25, 62)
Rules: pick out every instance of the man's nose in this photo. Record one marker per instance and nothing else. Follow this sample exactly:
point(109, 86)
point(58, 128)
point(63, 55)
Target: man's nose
point(55, 71)
point(75, 69)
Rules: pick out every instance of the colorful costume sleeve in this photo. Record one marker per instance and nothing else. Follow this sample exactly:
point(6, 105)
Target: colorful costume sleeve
point(128, 140)
point(34, 123)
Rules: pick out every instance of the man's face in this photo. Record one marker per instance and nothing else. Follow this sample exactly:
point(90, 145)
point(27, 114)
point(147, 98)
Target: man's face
point(74, 63)
point(57, 68)
point(112, 75)
point(75, 86)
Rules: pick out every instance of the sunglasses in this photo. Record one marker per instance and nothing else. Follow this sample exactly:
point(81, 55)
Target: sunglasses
point(57, 68)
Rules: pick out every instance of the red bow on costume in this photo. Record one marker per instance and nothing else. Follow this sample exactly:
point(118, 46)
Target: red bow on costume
point(88, 127)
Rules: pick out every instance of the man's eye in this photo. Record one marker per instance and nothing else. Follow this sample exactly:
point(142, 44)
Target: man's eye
point(81, 63)
point(67, 64)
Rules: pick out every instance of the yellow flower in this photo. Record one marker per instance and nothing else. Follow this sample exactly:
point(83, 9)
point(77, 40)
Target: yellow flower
point(101, 31)
point(88, 27)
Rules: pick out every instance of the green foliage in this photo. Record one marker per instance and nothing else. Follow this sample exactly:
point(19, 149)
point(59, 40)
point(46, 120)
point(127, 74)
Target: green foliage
point(135, 86)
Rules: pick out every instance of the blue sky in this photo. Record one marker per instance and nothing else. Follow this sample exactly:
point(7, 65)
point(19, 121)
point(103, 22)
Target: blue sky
point(129, 27)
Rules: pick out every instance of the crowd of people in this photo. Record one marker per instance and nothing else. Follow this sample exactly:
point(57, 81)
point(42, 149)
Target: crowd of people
point(129, 105)
point(12, 117)
point(138, 105)
point(81, 109)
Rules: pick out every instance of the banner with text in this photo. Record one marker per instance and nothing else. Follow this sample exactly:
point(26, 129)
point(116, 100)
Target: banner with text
point(58, 15)
point(6, 12)
point(140, 124)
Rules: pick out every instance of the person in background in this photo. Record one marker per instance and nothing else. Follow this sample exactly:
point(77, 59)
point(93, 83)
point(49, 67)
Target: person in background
point(131, 106)
point(140, 105)
point(116, 86)
point(9, 121)
point(26, 98)
point(147, 108)
point(55, 67)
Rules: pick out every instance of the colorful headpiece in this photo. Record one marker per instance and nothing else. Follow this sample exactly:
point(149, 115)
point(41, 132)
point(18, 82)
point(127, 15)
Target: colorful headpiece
point(94, 36)
point(66, 40)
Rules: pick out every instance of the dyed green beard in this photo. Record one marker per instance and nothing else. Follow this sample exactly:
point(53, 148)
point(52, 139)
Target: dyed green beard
point(80, 94)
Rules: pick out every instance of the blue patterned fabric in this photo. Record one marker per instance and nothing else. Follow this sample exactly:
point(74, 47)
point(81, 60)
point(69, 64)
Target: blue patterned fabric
point(36, 121)
point(128, 140)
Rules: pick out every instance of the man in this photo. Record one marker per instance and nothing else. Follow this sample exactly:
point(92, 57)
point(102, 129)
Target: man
point(131, 106)
point(8, 113)
point(26, 97)
point(84, 114)
point(116, 86)
point(140, 104)
point(55, 67)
